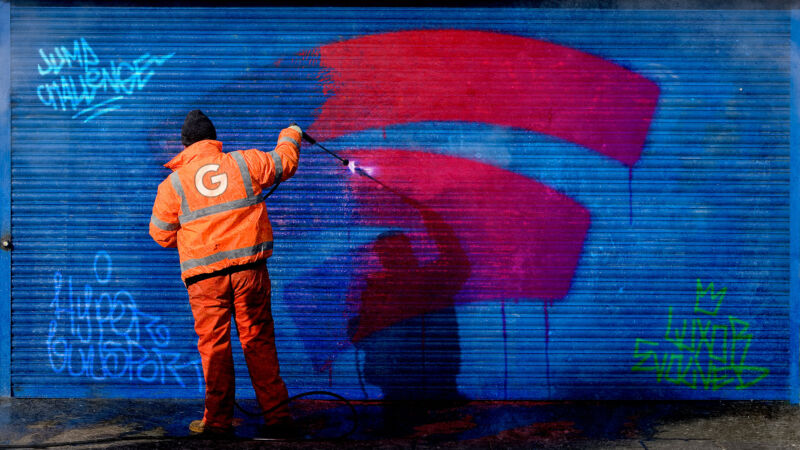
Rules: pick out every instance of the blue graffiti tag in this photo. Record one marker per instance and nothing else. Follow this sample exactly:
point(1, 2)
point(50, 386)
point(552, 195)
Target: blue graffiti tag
point(79, 91)
point(106, 336)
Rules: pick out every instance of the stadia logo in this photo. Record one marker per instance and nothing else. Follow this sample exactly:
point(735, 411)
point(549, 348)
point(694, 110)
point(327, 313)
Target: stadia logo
point(498, 234)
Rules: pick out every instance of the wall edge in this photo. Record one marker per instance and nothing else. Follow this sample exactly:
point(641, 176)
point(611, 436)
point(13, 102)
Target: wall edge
point(5, 198)
point(794, 214)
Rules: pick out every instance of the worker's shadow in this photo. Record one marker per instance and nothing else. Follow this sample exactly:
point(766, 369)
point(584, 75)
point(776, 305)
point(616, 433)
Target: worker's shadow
point(404, 320)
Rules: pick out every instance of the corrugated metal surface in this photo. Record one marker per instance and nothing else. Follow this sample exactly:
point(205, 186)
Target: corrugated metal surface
point(569, 184)
point(5, 201)
point(794, 221)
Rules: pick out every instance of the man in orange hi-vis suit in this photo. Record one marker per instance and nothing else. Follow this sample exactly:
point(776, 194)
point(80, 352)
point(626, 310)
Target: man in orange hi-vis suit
point(211, 208)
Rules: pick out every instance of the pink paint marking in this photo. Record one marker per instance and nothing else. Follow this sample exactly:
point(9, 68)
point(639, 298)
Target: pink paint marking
point(505, 349)
point(522, 238)
point(473, 76)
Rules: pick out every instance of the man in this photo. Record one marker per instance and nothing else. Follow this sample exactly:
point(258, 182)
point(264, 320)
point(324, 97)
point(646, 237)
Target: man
point(211, 208)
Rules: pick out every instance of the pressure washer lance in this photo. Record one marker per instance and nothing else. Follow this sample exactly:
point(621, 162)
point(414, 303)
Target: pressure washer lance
point(312, 141)
point(346, 162)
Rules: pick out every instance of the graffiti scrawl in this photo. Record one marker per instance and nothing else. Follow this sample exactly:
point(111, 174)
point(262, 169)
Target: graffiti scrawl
point(103, 335)
point(708, 350)
point(85, 86)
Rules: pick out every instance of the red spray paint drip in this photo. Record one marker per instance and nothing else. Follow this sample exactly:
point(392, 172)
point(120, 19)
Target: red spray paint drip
point(473, 76)
point(505, 350)
point(546, 306)
point(630, 196)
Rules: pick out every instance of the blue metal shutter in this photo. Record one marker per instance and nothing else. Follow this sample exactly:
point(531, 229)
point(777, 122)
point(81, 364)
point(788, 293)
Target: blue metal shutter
point(680, 290)
point(5, 198)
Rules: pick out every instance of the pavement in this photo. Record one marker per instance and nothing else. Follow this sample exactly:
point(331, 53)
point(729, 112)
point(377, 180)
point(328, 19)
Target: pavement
point(121, 423)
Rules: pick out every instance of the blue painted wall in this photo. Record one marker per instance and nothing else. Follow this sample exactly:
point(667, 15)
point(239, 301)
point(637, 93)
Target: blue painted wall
point(5, 199)
point(99, 309)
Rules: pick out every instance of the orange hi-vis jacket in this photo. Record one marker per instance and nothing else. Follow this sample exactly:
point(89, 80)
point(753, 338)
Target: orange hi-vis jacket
point(211, 207)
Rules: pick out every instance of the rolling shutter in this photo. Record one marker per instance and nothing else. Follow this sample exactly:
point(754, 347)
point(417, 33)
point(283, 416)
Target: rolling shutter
point(569, 203)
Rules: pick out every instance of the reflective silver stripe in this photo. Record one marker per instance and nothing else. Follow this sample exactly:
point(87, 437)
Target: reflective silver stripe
point(228, 254)
point(288, 139)
point(276, 158)
point(166, 226)
point(214, 209)
point(176, 184)
point(248, 183)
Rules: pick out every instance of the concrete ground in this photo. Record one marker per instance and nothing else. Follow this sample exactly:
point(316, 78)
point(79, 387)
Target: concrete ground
point(48, 423)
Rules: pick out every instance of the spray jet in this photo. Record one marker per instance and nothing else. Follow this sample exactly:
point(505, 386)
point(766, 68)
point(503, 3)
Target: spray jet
point(346, 162)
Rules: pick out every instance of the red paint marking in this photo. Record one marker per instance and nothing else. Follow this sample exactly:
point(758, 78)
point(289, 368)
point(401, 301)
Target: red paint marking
point(550, 432)
point(522, 238)
point(422, 351)
point(473, 76)
point(447, 427)
point(546, 305)
point(328, 367)
point(505, 349)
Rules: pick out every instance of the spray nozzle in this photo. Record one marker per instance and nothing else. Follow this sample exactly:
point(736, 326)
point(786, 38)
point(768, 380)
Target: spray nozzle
point(346, 162)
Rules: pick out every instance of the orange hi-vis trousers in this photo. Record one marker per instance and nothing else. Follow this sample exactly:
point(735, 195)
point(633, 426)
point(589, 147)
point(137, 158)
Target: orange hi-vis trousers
point(247, 295)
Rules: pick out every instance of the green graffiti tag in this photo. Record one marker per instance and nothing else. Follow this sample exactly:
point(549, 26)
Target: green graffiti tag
point(705, 347)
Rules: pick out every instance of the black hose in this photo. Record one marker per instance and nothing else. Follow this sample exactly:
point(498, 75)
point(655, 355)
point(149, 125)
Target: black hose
point(271, 190)
point(311, 141)
point(308, 394)
point(127, 437)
